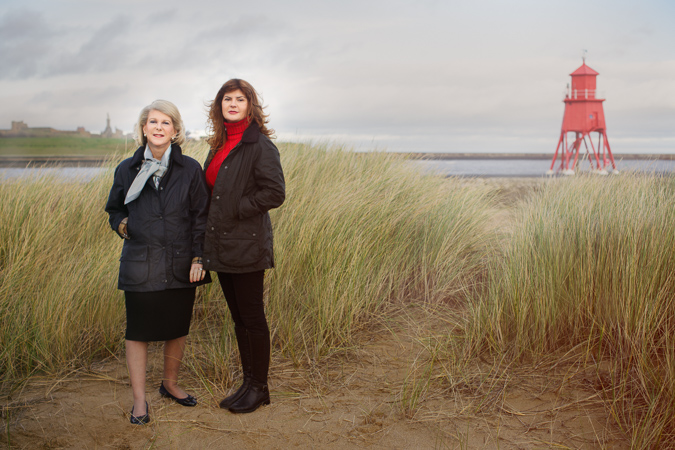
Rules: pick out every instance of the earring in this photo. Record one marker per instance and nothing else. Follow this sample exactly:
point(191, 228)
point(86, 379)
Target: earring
point(174, 137)
point(145, 135)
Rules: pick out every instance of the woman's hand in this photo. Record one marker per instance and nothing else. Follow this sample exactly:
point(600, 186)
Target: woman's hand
point(122, 228)
point(197, 273)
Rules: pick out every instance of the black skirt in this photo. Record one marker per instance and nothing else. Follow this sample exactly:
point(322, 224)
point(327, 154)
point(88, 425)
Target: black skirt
point(159, 315)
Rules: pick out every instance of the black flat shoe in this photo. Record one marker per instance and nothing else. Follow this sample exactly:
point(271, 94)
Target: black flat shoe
point(187, 401)
point(140, 420)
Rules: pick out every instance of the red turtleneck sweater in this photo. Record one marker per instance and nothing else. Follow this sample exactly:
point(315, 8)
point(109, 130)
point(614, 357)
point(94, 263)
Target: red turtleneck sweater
point(235, 130)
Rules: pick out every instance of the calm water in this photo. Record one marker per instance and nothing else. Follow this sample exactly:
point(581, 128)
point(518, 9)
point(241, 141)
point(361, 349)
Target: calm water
point(525, 167)
point(67, 173)
point(454, 167)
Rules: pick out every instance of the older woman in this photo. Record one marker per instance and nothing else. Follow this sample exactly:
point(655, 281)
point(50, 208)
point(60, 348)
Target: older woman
point(243, 171)
point(158, 205)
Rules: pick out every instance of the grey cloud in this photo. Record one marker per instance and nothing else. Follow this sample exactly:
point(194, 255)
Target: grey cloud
point(169, 43)
point(78, 98)
point(31, 47)
point(238, 37)
point(396, 69)
point(24, 43)
point(162, 18)
point(85, 106)
point(108, 49)
point(21, 24)
point(238, 29)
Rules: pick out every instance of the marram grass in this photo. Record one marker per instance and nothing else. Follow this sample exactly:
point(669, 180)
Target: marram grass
point(58, 300)
point(591, 264)
point(588, 265)
point(360, 230)
point(356, 231)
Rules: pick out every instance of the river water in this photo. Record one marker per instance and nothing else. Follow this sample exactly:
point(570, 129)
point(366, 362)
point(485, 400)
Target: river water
point(82, 174)
point(449, 167)
point(527, 167)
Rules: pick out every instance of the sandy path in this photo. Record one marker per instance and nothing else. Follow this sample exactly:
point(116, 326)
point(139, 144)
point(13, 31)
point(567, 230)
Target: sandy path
point(382, 394)
point(352, 401)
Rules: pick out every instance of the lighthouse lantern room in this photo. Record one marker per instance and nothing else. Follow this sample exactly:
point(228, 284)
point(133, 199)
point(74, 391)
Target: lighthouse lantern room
point(583, 115)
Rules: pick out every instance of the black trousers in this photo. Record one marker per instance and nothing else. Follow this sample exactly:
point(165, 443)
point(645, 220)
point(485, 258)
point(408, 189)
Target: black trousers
point(244, 296)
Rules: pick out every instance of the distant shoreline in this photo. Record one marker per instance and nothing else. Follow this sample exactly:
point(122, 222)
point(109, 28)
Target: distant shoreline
point(97, 161)
point(15, 162)
point(548, 156)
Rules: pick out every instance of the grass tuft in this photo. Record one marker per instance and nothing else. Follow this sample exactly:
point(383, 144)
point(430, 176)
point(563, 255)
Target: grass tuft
point(589, 265)
point(357, 231)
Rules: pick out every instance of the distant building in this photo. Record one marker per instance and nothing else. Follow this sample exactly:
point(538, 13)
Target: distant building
point(20, 129)
point(108, 132)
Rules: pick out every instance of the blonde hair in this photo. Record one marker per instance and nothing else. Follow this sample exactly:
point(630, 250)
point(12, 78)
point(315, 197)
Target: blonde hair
point(165, 107)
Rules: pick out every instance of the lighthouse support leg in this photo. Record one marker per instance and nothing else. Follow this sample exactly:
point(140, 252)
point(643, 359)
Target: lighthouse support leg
point(565, 152)
point(575, 150)
point(609, 150)
point(555, 155)
point(602, 150)
point(595, 154)
point(570, 149)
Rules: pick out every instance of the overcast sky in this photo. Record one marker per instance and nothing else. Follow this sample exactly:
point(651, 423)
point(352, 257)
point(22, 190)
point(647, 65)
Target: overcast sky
point(424, 75)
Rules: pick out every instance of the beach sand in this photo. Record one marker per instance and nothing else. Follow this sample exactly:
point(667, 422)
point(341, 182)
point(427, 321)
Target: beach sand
point(378, 395)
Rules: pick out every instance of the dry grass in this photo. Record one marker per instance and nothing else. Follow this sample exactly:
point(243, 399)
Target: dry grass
point(58, 304)
point(574, 276)
point(588, 269)
point(356, 232)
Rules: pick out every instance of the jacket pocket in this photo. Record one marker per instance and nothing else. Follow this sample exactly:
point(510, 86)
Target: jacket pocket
point(182, 260)
point(134, 264)
point(239, 251)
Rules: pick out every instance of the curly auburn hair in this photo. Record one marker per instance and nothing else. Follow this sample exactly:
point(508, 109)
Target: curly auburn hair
point(215, 123)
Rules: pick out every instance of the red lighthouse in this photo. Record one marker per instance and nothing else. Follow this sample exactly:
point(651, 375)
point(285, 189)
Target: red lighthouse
point(583, 115)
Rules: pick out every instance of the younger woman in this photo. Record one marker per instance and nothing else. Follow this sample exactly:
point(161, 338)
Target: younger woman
point(243, 171)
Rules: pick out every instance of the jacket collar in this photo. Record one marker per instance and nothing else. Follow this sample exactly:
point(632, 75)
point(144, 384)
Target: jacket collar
point(251, 134)
point(176, 155)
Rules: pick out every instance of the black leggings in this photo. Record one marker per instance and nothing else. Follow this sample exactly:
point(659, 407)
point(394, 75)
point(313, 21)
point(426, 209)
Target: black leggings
point(244, 296)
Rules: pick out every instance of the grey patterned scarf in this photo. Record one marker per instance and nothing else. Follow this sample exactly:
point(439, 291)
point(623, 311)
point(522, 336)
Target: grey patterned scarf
point(151, 168)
